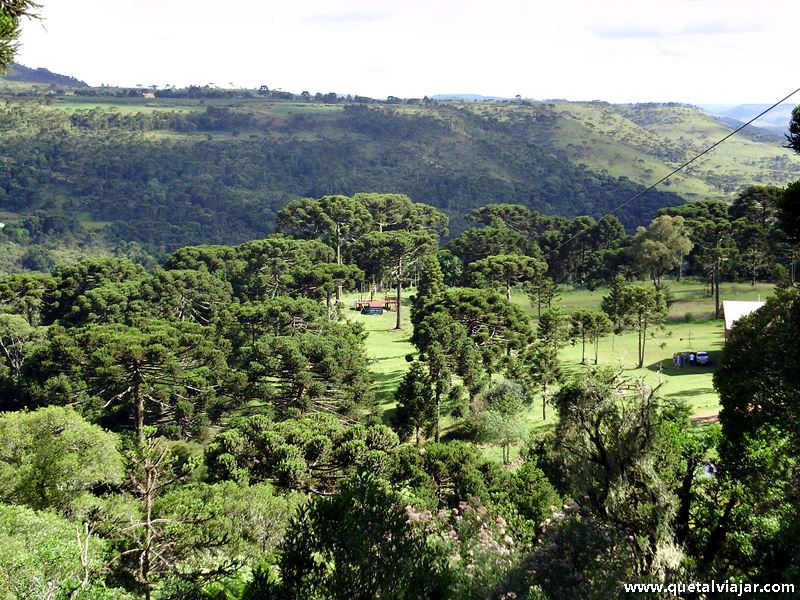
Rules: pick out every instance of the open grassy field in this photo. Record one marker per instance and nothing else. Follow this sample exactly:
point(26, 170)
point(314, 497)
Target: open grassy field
point(689, 327)
point(71, 104)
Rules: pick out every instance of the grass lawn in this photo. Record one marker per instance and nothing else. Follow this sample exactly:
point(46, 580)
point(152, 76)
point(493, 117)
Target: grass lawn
point(689, 327)
point(386, 346)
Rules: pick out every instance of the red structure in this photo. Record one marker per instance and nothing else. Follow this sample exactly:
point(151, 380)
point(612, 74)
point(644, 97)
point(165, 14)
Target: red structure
point(386, 304)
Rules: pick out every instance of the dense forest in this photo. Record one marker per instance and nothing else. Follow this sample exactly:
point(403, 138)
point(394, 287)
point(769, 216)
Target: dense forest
point(207, 428)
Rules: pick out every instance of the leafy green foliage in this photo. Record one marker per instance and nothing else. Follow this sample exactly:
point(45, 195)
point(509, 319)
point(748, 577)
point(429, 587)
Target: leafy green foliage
point(311, 373)
point(223, 187)
point(794, 130)
point(50, 456)
point(11, 13)
point(661, 248)
point(417, 413)
point(789, 211)
point(17, 337)
point(643, 307)
point(94, 291)
point(607, 441)
point(359, 544)
point(42, 557)
point(580, 556)
point(479, 243)
point(311, 454)
point(757, 379)
point(501, 422)
point(24, 295)
point(507, 270)
point(169, 375)
point(495, 326)
point(476, 545)
point(589, 325)
point(161, 531)
point(392, 254)
point(441, 473)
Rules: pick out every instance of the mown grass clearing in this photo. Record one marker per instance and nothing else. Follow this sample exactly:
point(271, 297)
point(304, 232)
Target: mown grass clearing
point(689, 327)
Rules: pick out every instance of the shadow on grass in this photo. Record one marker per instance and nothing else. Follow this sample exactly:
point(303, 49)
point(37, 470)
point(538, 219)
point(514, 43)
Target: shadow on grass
point(388, 416)
point(699, 318)
point(390, 357)
point(668, 368)
point(690, 393)
point(385, 384)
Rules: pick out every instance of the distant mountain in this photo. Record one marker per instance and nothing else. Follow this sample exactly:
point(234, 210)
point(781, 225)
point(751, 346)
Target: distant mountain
point(751, 132)
point(42, 75)
point(776, 120)
point(467, 97)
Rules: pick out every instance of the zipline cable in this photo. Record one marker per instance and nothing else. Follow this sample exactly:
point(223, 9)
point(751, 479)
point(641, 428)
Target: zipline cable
point(668, 175)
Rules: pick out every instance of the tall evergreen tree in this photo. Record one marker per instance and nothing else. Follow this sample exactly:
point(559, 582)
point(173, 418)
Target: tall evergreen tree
point(417, 412)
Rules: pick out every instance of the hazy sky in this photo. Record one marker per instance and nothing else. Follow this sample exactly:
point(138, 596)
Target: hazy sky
point(698, 51)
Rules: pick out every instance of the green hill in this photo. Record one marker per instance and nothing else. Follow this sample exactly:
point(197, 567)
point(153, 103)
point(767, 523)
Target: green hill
point(114, 167)
point(645, 142)
point(24, 74)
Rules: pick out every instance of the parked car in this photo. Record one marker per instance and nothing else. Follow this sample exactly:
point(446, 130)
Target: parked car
point(701, 358)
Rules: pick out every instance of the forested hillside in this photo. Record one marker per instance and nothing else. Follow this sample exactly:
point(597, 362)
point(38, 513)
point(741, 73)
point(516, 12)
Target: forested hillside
point(143, 176)
point(221, 426)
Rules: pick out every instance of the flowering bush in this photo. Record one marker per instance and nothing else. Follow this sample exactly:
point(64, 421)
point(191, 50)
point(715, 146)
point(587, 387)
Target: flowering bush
point(474, 544)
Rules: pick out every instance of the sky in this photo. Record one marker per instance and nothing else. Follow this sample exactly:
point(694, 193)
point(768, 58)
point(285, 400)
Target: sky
point(695, 51)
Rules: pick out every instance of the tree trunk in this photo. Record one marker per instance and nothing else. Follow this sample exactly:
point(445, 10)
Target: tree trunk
point(138, 395)
point(719, 533)
point(338, 262)
point(683, 515)
point(399, 291)
point(438, 396)
point(642, 336)
point(596, 348)
point(544, 402)
point(508, 290)
point(716, 288)
point(144, 560)
point(583, 348)
point(328, 302)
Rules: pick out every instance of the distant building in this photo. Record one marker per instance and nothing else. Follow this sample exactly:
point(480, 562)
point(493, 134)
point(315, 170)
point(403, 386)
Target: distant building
point(733, 310)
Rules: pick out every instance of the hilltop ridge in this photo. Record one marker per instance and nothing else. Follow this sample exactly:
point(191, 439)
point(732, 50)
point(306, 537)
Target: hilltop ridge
point(41, 75)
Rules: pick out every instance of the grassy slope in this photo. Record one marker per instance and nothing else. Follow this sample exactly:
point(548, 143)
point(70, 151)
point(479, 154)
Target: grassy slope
point(604, 140)
point(642, 143)
point(388, 348)
point(738, 159)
